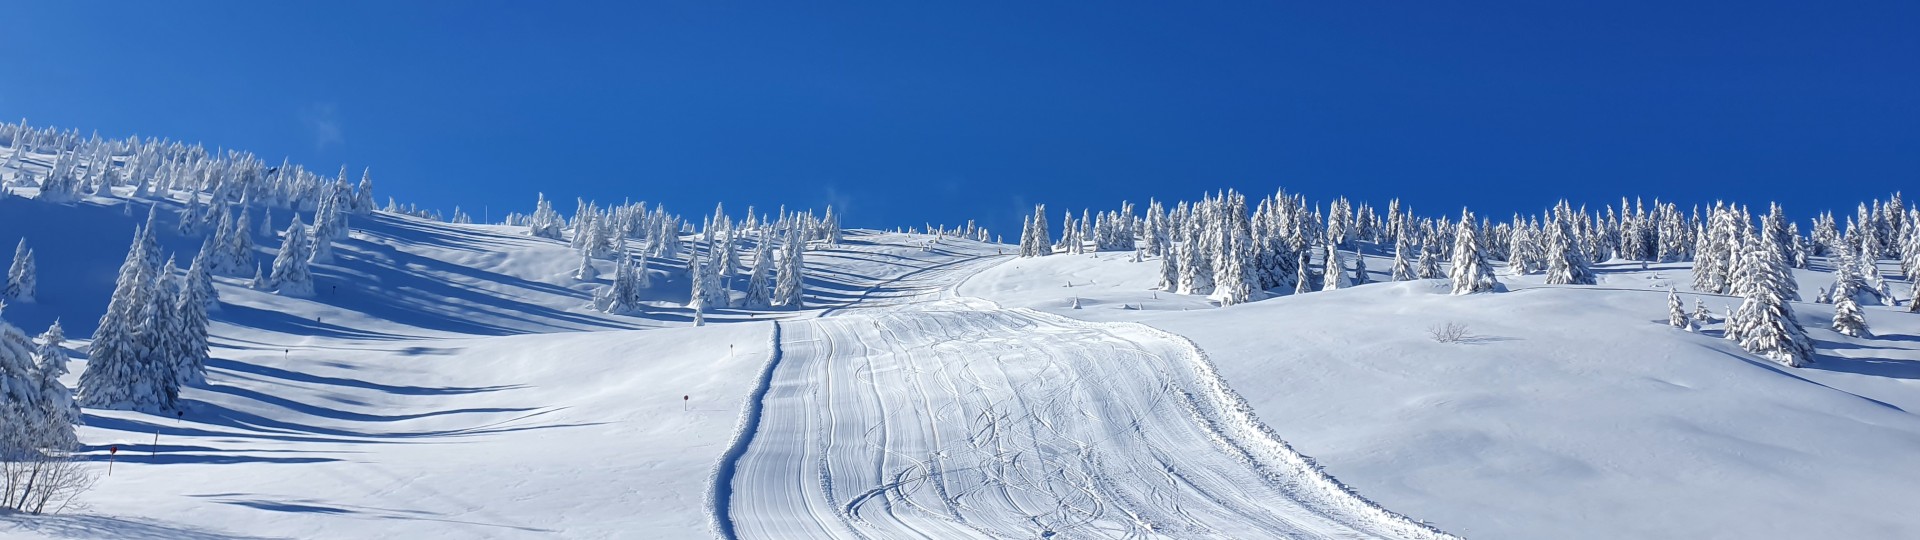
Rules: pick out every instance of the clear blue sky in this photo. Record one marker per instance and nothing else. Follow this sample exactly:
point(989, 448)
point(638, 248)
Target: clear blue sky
point(904, 112)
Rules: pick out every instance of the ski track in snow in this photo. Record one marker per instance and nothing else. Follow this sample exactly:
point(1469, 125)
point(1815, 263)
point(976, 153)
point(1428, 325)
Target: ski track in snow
point(915, 413)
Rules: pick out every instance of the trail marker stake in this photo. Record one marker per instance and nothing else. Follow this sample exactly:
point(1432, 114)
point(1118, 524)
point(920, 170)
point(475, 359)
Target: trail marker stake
point(111, 451)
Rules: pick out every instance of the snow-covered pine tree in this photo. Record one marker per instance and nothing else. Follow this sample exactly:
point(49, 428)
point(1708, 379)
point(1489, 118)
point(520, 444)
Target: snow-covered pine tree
point(545, 222)
point(1335, 273)
point(789, 290)
point(759, 280)
point(58, 413)
point(200, 276)
point(1677, 312)
point(1764, 324)
point(189, 314)
point(1566, 263)
point(1304, 280)
point(1360, 276)
point(120, 374)
point(586, 271)
point(1848, 318)
point(1429, 264)
point(1169, 268)
point(1470, 272)
point(22, 277)
point(291, 275)
point(1402, 243)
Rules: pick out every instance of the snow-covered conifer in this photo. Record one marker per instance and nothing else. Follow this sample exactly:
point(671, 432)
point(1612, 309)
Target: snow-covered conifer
point(1677, 312)
point(1848, 318)
point(1335, 273)
point(789, 289)
point(1764, 324)
point(291, 275)
point(1360, 276)
point(1470, 272)
point(120, 374)
point(22, 278)
point(58, 413)
point(586, 271)
point(1402, 243)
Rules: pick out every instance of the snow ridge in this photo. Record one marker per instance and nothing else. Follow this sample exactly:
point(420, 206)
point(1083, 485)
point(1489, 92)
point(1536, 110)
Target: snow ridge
point(720, 485)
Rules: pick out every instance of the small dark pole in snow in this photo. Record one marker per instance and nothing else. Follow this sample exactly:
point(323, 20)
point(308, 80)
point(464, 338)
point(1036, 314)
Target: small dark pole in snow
point(684, 403)
point(155, 449)
point(111, 451)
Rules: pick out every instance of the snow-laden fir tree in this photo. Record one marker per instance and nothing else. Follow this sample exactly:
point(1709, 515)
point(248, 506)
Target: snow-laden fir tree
point(58, 412)
point(1470, 272)
point(291, 275)
point(1169, 269)
point(120, 371)
point(19, 398)
point(1677, 312)
point(1566, 263)
point(238, 250)
point(1429, 263)
point(1360, 276)
point(164, 331)
point(1848, 318)
point(1764, 324)
point(586, 271)
point(1335, 274)
point(545, 222)
point(1523, 251)
point(789, 289)
point(1402, 243)
point(22, 278)
point(189, 314)
point(622, 295)
point(266, 224)
point(759, 280)
point(200, 277)
point(1304, 280)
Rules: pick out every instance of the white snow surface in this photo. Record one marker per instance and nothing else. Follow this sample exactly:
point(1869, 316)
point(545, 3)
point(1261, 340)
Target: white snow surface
point(1571, 412)
point(447, 381)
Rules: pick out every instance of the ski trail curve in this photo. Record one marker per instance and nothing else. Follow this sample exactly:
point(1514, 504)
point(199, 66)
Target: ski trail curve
point(919, 414)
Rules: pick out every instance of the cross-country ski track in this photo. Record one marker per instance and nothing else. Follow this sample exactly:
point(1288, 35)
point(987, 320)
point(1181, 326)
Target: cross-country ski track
point(914, 413)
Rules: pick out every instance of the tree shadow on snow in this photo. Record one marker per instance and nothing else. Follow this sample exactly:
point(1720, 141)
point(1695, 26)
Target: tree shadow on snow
point(96, 526)
point(313, 506)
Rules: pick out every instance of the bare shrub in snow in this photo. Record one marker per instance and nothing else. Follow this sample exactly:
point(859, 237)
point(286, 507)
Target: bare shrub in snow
point(1449, 332)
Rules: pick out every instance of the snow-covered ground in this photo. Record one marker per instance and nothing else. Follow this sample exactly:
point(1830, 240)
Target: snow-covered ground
point(447, 381)
point(1571, 412)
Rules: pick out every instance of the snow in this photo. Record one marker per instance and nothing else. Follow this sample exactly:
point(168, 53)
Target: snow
point(449, 381)
point(1572, 412)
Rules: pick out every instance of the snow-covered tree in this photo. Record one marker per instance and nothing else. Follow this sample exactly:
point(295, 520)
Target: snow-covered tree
point(586, 271)
point(1470, 272)
point(1764, 324)
point(623, 294)
point(789, 289)
point(200, 277)
point(760, 279)
point(1848, 318)
point(22, 279)
point(1335, 274)
point(121, 372)
point(291, 275)
point(189, 314)
point(1402, 243)
point(1677, 312)
point(545, 222)
point(1360, 276)
point(58, 413)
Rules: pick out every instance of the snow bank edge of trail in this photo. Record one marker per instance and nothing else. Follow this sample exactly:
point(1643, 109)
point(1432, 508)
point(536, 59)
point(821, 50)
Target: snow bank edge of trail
point(720, 481)
point(1242, 429)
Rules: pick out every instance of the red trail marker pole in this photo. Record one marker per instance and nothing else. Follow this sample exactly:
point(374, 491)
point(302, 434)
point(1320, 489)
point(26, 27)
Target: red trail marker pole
point(111, 450)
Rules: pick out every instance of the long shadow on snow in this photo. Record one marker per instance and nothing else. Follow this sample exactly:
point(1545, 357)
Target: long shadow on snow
point(1776, 368)
point(265, 371)
point(337, 414)
point(420, 298)
point(124, 528)
point(311, 506)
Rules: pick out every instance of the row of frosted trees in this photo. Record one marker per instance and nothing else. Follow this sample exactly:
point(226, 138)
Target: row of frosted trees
point(1220, 248)
point(760, 256)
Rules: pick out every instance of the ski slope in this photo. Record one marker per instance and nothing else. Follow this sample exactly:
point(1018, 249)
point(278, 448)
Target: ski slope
point(1012, 424)
point(1571, 412)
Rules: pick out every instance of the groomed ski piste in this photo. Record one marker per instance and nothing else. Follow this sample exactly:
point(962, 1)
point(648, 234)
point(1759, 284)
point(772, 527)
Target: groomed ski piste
point(449, 381)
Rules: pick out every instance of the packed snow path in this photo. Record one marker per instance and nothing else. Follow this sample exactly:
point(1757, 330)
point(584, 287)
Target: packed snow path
point(941, 417)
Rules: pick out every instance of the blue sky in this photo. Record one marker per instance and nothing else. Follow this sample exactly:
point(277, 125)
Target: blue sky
point(907, 112)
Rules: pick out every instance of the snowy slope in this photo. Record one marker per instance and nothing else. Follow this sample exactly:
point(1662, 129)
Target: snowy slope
point(1574, 413)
